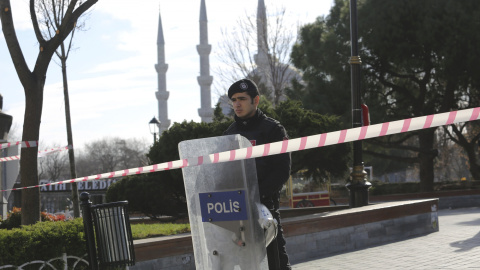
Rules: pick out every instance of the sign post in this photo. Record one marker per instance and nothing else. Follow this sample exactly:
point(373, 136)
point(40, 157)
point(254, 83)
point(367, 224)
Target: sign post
point(224, 207)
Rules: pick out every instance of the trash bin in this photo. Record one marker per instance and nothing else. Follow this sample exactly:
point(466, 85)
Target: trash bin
point(113, 237)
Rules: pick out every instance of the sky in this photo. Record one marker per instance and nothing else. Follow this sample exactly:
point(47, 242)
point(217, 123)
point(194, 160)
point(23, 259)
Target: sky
point(111, 76)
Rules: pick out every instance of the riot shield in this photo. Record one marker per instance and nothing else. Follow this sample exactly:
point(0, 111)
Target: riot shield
point(223, 201)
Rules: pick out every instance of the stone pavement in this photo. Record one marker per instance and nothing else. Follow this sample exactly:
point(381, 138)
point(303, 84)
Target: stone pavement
point(455, 246)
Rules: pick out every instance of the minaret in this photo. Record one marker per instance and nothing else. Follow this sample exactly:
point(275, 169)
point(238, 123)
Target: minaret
point(162, 93)
point(204, 80)
point(262, 56)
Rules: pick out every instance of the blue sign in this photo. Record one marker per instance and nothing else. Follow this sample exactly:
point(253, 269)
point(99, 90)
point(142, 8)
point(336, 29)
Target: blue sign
point(223, 206)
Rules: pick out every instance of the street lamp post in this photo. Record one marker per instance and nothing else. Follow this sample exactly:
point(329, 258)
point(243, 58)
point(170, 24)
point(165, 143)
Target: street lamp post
point(358, 185)
point(154, 125)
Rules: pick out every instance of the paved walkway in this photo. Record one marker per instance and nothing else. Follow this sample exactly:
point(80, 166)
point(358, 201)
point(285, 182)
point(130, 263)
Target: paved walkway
point(455, 246)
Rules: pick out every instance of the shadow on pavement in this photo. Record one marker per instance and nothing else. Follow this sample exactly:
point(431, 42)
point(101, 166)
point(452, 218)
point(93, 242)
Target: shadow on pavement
point(466, 245)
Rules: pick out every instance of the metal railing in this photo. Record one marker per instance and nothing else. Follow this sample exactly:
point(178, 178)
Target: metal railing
point(69, 262)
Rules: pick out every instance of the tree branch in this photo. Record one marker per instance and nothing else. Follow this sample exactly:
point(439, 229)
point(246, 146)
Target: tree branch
point(461, 139)
point(67, 25)
point(389, 142)
point(48, 19)
point(18, 59)
point(409, 160)
point(70, 44)
point(36, 27)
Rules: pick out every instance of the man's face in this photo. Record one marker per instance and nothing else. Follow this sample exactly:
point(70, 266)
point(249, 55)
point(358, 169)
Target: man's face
point(243, 106)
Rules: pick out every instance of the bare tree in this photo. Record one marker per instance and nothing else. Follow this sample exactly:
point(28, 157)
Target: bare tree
point(104, 153)
point(467, 135)
point(52, 166)
point(111, 154)
point(14, 133)
point(451, 162)
point(258, 49)
point(33, 82)
point(83, 164)
point(51, 14)
point(132, 153)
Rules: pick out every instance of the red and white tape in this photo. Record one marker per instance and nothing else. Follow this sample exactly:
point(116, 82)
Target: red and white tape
point(25, 144)
point(314, 141)
point(53, 150)
point(40, 153)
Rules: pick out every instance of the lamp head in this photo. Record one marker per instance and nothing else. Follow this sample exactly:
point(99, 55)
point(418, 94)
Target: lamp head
point(154, 125)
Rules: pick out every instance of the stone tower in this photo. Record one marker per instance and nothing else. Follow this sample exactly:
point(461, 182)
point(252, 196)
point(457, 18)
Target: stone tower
point(264, 69)
point(162, 93)
point(204, 80)
point(261, 58)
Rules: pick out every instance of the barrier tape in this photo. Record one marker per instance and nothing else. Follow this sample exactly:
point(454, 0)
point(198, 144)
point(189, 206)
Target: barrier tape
point(40, 153)
point(286, 146)
point(53, 150)
point(25, 144)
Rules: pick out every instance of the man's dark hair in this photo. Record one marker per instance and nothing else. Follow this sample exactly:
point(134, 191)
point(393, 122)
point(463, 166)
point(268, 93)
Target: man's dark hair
point(244, 85)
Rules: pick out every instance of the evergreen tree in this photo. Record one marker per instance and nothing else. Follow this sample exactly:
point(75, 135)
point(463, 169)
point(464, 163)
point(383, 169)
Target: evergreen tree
point(418, 59)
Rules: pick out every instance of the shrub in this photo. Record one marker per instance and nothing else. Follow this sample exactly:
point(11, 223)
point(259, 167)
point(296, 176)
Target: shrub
point(14, 218)
point(148, 194)
point(42, 241)
point(379, 188)
point(456, 185)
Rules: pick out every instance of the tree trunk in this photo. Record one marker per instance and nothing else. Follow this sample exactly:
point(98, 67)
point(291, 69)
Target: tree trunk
point(28, 162)
point(472, 158)
point(426, 157)
point(33, 84)
point(468, 147)
point(71, 153)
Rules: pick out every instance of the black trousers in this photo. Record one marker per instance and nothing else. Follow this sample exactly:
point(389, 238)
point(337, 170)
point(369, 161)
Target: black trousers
point(276, 252)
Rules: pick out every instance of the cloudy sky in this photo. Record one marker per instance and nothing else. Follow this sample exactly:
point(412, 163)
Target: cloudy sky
point(111, 74)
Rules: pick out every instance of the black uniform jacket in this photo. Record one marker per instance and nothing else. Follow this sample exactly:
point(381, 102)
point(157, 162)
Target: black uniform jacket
point(272, 171)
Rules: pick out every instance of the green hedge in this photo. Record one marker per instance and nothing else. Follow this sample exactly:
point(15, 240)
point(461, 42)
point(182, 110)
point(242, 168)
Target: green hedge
point(380, 188)
point(42, 241)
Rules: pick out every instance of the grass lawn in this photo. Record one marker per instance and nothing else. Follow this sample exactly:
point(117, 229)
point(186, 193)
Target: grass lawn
point(141, 231)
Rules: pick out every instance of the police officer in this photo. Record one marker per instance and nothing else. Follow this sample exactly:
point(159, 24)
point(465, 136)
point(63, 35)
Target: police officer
point(272, 171)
